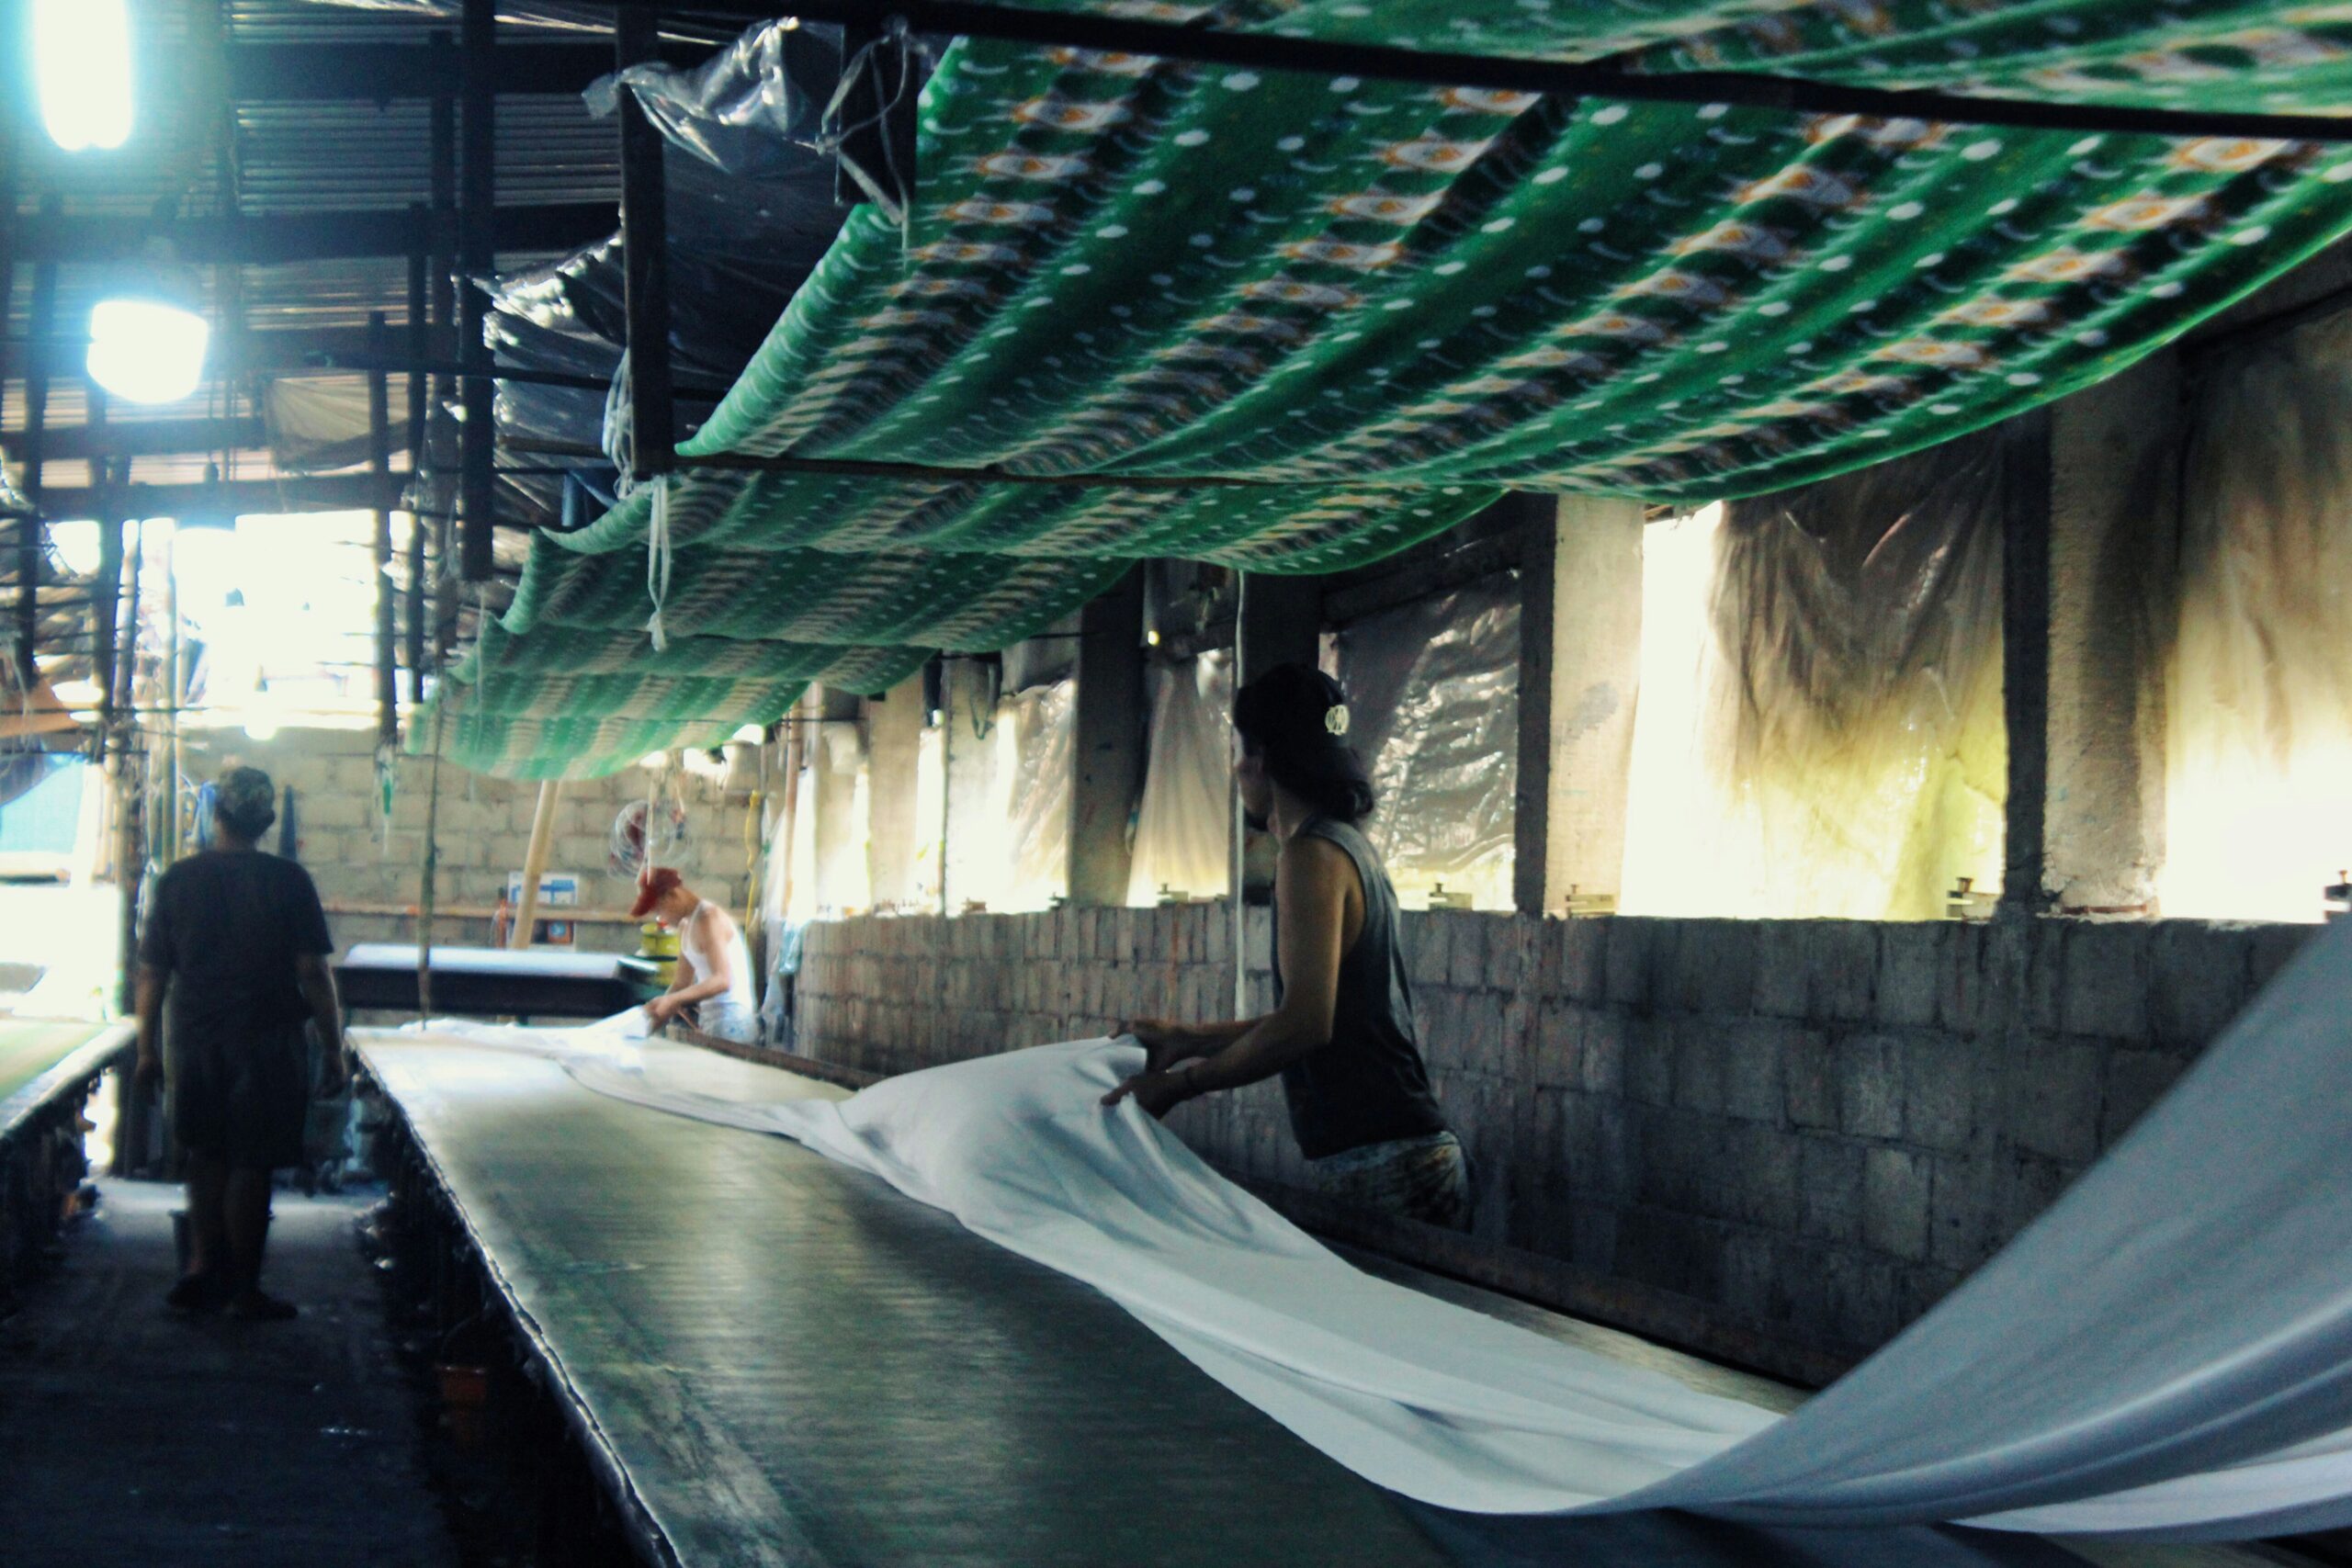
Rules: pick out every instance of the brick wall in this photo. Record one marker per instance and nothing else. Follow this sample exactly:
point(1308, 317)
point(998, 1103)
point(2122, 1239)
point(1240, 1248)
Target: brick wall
point(484, 829)
point(1795, 1134)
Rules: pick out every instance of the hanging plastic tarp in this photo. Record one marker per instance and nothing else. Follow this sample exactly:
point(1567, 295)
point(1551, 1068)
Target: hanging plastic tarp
point(316, 424)
point(1820, 731)
point(1434, 698)
point(2259, 754)
point(1029, 792)
point(1184, 822)
point(754, 109)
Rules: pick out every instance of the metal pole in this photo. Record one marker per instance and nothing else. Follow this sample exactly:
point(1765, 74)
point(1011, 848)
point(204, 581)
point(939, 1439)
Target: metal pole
point(477, 178)
point(419, 401)
point(440, 434)
point(107, 590)
point(426, 874)
point(645, 245)
point(380, 462)
point(42, 324)
point(173, 695)
point(1237, 857)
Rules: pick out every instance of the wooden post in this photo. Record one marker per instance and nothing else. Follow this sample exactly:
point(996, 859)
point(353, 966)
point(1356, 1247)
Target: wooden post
point(535, 860)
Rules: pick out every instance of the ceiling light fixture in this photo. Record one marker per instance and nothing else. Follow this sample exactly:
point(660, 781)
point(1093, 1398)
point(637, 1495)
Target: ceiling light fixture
point(82, 62)
point(147, 351)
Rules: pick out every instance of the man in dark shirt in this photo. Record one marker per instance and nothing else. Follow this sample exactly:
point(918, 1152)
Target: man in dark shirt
point(232, 963)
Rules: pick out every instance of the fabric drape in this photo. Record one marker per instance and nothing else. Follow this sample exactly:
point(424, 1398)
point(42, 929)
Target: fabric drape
point(2166, 1352)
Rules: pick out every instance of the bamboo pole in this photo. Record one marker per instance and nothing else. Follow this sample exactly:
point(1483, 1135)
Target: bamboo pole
point(535, 860)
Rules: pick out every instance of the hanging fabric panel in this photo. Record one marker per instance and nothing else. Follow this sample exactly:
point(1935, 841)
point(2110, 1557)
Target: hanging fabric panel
point(1122, 263)
point(1353, 310)
point(2250, 55)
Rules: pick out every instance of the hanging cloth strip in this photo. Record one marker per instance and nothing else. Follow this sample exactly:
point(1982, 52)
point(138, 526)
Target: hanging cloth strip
point(2168, 1351)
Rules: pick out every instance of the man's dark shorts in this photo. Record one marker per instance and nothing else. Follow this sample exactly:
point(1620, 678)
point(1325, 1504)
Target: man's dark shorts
point(240, 1098)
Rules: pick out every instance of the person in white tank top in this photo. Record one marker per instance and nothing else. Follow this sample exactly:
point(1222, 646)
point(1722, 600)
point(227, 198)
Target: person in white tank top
point(714, 983)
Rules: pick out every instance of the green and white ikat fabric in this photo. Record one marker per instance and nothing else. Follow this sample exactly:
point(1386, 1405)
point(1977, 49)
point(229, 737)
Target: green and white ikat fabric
point(1382, 304)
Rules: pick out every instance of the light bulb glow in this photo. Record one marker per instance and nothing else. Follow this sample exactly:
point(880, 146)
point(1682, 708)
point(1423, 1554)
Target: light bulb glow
point(145, 351)
point(82, 61)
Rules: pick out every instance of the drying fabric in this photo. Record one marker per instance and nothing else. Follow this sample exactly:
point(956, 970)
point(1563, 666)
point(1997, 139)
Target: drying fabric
point(1380, 302)
point(2253, 55)
point(2166, 1352)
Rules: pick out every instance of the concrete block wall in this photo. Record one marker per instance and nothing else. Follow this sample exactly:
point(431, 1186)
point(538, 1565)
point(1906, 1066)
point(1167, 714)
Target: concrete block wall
point(483, 830)
point(1812, 1129)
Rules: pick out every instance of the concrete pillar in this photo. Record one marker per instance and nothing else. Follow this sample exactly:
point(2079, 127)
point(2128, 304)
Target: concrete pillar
point(836, 749)
point(967, 688)
point(893, 747)
point(1585, 699)
point(1108, 756)
point(1282, 623)
point(2114, 462)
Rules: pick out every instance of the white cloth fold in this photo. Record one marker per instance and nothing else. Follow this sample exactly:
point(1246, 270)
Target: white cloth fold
point(2168, 1351)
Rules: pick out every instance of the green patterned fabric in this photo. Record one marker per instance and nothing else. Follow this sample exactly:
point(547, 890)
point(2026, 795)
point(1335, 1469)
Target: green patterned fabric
point(1382, 304)
point(2252, 55)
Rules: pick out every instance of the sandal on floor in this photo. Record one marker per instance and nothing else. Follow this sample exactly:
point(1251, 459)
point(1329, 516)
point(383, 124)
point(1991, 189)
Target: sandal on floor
point(197, 1292)
point(254, 1306)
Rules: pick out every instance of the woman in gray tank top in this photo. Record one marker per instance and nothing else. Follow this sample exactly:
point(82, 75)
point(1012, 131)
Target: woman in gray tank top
point(1342, 1032)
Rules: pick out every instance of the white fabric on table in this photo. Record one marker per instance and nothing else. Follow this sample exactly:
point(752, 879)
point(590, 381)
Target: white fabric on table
point(2169, 1350)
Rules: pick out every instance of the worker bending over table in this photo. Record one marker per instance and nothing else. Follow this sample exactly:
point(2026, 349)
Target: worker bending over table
point(714, 977)
point(1342, 1032)
point(232, 963)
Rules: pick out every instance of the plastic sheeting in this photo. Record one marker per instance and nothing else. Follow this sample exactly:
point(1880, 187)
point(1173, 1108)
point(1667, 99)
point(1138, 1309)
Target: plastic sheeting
point(1434, 698)
point(1030, 783)
point(2166, 1352)
point(752, 109)
point(2258, 757)
point(1184, 822)
point(1820, 731)
point(319, 424)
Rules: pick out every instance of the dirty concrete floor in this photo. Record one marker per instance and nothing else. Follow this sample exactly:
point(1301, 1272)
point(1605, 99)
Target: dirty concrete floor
point(130, 1436)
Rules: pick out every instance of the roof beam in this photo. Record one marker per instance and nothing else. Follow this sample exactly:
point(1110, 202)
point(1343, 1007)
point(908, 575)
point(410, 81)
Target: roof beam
point(375, 72)
point(1317, 57)
point(150, 438)
point(301, 236)
point(195, 503)
point(265, 351)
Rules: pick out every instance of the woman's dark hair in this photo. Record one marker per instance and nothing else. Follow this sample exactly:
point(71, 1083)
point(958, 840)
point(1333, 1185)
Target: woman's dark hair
point(1295, 718)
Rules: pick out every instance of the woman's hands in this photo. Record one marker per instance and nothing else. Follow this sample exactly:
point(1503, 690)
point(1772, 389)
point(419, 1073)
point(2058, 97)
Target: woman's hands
point(661, 1009)
point(1157, 1090)
point(1164, 1042)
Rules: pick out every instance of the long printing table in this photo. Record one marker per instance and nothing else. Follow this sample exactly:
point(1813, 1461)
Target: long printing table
point(533, 982)
point(779, 1360)
point(43, 1063)
point(48, 1067)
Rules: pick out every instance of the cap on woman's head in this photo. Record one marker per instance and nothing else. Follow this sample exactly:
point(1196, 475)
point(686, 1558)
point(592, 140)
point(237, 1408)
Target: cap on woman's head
point(653, 885)
point(246, 802)
point(1295, 717)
